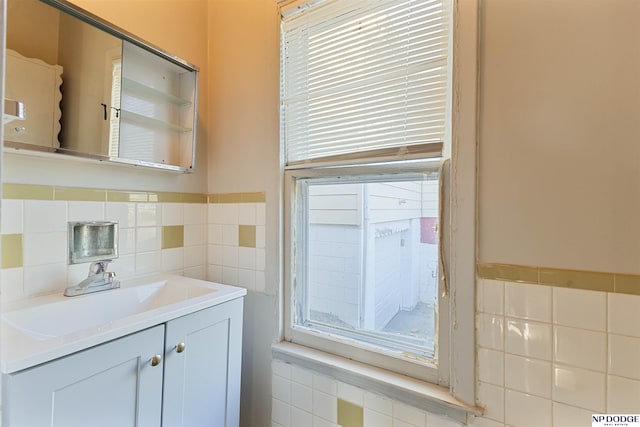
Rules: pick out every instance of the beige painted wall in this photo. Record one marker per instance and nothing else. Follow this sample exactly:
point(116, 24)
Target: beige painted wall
point(559, 168)
point(176, 26)
point(27, 39)
point(244, 157)
point(244, 78)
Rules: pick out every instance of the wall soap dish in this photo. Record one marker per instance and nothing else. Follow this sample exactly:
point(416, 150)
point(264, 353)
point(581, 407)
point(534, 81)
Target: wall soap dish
point(92, 241)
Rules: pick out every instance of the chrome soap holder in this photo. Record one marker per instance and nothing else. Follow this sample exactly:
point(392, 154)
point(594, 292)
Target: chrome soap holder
point(95, 242)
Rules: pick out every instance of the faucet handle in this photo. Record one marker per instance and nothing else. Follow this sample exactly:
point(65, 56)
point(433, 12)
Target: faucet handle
point(99, 267)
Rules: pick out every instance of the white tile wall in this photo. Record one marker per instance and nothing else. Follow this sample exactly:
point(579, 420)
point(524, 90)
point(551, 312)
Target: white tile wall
point(580, 309)
point(531, 339)
point(85, 211)
point(12, 284)
point(44, 216)
point(44, 248)
point(491, 398)
point(43, 225)
point(172, 214)
point(490, 296)
point(624, 315)
point(527, 375)
point(490, 331)
point(579, 387)
point(526, 301)
point(546, 357)
point(172, 260)
point(409, 415)
point(227, 262)
point(566, 354)
point(581, 348)
point(624, 356)
point(570, 416)
point(491, 366)
point(623, 395)
point(148, 239)
point(124, 213)
point(526, 410)
point(302, 398)
point(12, 216)
point(148, 214)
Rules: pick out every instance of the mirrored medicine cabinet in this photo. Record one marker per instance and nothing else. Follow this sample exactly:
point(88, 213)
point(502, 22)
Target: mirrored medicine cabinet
point(84, 87)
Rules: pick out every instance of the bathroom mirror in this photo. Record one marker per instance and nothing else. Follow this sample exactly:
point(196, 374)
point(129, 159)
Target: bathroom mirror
point(87, 88)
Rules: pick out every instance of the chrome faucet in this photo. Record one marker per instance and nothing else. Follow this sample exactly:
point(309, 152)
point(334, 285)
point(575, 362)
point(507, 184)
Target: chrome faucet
point(99, 279)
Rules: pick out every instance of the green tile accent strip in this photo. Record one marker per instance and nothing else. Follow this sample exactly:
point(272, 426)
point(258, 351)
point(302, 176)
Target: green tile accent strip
point(512, 273)
point(247, 236)
point(230, 198)
point(626, 284)
point(169, 197)
point(564, 278)
point(27, 191)
point(253, 198)
point(11, 250)
point(50, 192)
point(194, 198)
point(172, 236)
point(350, 414)
point(126, 196)
point(577, 279)
point(237, 198)
point(79, 194)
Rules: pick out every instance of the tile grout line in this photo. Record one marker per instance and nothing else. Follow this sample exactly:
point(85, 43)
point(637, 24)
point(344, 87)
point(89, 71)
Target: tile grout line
point(504, 351)
point(607, 352)
point(553, 345)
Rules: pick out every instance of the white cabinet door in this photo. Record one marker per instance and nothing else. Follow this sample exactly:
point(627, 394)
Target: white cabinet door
point(113, 384)
point(202, 379)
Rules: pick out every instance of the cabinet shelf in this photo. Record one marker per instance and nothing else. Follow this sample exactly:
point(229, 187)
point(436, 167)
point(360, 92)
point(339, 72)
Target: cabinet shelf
point(142, 89)
point(132, 117)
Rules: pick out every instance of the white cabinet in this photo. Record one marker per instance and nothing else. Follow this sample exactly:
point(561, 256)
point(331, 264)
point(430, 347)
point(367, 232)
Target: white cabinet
point(202, 350)
point(195, 380)
point(157, 109)
point(112, 384)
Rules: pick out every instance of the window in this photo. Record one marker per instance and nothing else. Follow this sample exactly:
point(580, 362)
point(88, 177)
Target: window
point(365, 122)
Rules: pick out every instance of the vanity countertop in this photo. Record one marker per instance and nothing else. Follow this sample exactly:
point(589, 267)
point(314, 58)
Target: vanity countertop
point(41, 329)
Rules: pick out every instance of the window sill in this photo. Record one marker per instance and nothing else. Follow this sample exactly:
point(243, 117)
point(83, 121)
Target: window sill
point(422, 395)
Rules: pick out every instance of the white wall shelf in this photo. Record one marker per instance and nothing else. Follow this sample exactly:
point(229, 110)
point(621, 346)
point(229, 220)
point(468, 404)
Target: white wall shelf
point(146, 121)
point(144, 90)
point(157, 108)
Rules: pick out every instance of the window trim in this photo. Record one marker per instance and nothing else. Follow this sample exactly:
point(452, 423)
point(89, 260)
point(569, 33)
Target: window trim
point(342, 346)
point(461, 245)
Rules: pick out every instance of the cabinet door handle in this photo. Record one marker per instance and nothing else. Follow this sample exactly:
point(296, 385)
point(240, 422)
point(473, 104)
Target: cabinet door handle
point(180, 347)
point(155, 360)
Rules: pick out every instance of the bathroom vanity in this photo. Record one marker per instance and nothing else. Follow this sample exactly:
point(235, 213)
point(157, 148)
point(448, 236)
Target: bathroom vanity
point(163, 350)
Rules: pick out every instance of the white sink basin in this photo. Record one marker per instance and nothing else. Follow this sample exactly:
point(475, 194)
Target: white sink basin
point(73, 314)
point(45, 328)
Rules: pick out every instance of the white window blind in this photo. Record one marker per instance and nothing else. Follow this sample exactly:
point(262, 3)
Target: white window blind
point(364, 80)
point(114, 113)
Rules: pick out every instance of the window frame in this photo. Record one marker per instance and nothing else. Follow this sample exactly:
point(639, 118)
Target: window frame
point(340, 346)
point(460, 242)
